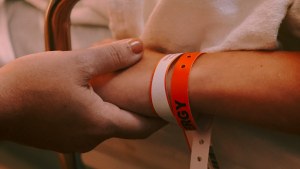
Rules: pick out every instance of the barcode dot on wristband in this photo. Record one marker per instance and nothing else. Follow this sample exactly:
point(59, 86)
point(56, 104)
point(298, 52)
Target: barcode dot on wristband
point(199, 158)
point(188, 56)
point(182, 66)
point(201, 141)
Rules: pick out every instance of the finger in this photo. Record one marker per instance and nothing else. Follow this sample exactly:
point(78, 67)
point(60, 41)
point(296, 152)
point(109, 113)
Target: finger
point(110, 57)
point(131, 125)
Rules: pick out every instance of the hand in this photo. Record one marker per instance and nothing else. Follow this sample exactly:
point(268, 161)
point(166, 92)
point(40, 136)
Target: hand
point(46, 100)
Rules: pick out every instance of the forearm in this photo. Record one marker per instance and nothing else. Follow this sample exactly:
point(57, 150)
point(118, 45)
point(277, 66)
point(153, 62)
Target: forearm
point(261, 88)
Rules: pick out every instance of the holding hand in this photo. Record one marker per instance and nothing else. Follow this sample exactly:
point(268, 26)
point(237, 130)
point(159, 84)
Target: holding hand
point(46, 100)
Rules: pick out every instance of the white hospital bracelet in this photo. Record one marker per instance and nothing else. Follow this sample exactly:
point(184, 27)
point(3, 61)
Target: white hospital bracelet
point(199, 141)
point(158, 88)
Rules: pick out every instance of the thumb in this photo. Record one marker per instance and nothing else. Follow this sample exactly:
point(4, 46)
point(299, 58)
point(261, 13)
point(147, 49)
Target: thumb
point(110, 57)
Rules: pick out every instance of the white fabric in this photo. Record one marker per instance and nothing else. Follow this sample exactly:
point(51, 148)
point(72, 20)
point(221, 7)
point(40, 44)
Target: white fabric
point(259, 30)
point(177, 26)
point(158, 95)
point(90, 12)
point(125, 18)
point(216, 25)
point(6, 52)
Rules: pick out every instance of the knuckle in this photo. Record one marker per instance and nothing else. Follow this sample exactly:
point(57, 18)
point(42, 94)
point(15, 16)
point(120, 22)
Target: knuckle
point(115, 52)
point(84, 65)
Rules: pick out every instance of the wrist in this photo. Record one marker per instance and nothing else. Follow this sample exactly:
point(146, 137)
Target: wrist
point(146, 67)
point(130, 89)
point(181, 80)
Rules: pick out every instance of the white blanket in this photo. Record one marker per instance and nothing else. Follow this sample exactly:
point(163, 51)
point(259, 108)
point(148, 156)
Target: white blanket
point(6, 51)
point(219, 25)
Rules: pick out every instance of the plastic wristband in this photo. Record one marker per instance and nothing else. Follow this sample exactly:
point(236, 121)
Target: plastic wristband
point(158, 88)
point(198, 137)
point(179, 91)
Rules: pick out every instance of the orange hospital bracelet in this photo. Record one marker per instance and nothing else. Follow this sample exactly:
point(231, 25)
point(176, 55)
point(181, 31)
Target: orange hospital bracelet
point(198, 137)
point(179, 91)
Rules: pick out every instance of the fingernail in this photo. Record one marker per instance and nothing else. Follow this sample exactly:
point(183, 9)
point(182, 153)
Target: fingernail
point(136, 46)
